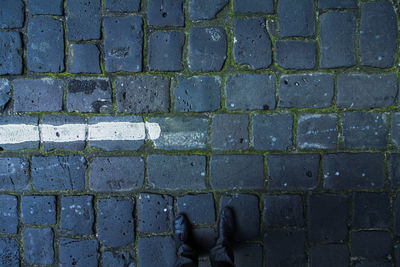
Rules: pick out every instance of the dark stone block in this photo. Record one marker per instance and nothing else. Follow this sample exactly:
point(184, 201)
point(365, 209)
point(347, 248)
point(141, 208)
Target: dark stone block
point(154, 213)
point(89, 95)
point(396, 215)
point(9, 252)
point(337, 39)
point(236, 172)
point(117, 258)
point(165, 13)
point(358, 91)
point(14, 174)
point(204, 239)
point(110, 145)
point(123, 5)
point(8, 214)
point(142, 94)
point(327, 217)
point(249, 255)
point(113, 174)
point(38, 210)
point(278, 126)
point(296, 20)
point(293, 253)
point(11, 14)
point(329, 255)
point(371, 210)
point(38, 95)
point(283, 210)
point(181, 133)
point(5, 93)
point(184, 172)
point(206, 49)
point(79, 27)
point(253, 6)
point(165, 51)
point(41, 54)
point(317, 131)
point(394, 169)
point(205, 9)
point(83, 58)
point(230, 132)
point(78, 252)
point(371, 245)
point(325, 4)
point(77, 215)
point(246, 215)
point(114, 222)
point(38, 245)
point(353, 171)
point(378, 34)
point(126, 53)
point(197, 94)
point(10, 53)
point(395, 131)
point(252, 45)
point(156, 251)
point(28, 120)
point(288, 172)
point(45, 7)
point(58, 173)
point(313, 90)
point(198, 208)
point(295, 54)
point(250, 91)
point(363, 130)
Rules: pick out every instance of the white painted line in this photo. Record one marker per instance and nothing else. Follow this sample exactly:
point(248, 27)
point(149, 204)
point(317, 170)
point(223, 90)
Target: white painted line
point(116, 131)
point(62, 133)
point(18, 133)
point(153, 130)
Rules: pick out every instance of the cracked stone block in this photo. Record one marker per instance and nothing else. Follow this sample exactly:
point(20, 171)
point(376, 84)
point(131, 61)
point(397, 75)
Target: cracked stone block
point(83, 58)
point(79, 27)
point(77, 215)
point(28, 120)
point(38, 245)
point(325, 4)
point(253, 6)
point(296, 20)
point(337, 39)
point(371, 245)
point(38, 210)
point(45, 7)
point(230, 132)
point(165, 51)
point(290, 172)
point(38, 95)
point(395, 132)
point(123, 5)
point(89, 95)
point(283, 210)
point(183, 172)
point(10, 53)
point(58, 173)
point(236, 172)
point(252, 44)
point(14, 174)
point(198, 208)
point(317, 131)
point(371, 210)
point(181, 133)
point(123, 43)
point(327, 217)
point(272, 132)
point(154, 213)
point(197, 94)
point(313, 90)
point(165, 13)
point(80, 252)
point(296, 54)
point(118, 258)
point(11, 14)
point(206, 49)
point(358, 91)
point(41, 54)
point(9, 252)
point(142, 94)
point(378, 34)
point(205, 9)
point(156, 251)
point(348, 171)
point(250, 91)
point(114, 222)
point(331, 255)
point(58, 120)
point(113, 174)
point(8, 214)
point(5, 93)
point(110, 145)
point(361, 130)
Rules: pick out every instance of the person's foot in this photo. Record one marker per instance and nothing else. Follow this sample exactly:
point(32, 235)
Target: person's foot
point(226, 227)
point(181, 230)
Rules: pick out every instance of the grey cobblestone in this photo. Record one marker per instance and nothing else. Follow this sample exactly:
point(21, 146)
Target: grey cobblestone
point(296, 20)
point(283, 210)
point(122, 5)
point(5, 93)
point(253, 6)
point(77, 215)
point(8, 214)
point(28, 120)
point(10, 55)
point(156, 251)
point(9, 255)
point(317, 131)
point(79, 27)
point(230, 132)
point(370, 210)
point(38, 210)
point(165, 51)
point(371, 245)
point(207, 9)
point(154, 213)
point(14, 174)
point(78, 252)
point(198, 208)
point(295, 54)
point(12, 14)
point(329, 255)
point(45, 7)
point(165, 13)
point(38, 245)
point(83, 58)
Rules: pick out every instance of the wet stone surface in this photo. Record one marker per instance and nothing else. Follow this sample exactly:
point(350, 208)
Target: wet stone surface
point(83, 58)
point(38, 210)
point(77, 215)
point(8, 215)
point(9, 252)
point(78, 26)
point(165, 13)
point(45, 7)
point(206, 9)
point(165, 51)
point(38, 247)
point(11, 53)
point(12, 15)
point(156, 251)
point(230, 132)
point(78, 252)
point(295, 54)
point(14, 173)
point(317, 131)
point(296, 20)
point(253, 6)
point(154, 213)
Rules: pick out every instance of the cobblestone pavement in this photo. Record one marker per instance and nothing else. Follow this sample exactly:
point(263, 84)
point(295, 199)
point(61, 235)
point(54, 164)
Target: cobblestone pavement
point(286, 110)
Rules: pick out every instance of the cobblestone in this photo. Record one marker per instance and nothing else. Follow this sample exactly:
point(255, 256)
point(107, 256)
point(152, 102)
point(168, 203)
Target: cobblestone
point(296, 20)
point(230, 132)
point(79, 252)
point(395, 132)
point(8, 214)
point(38, 210)
point(154, 213)
point(295, 54)
point(5, 94)
point(283, 210)
point(325, 4)
point(165, 51)
point(28, 120)
point(78, 26)
point(371, 245)
point(38, 245)
point(10, 54)
point(14, 174)
point(370, 210)
point(329, 255)
point(204, 10)
point(9, 252)
point(123, 5)
point(77, 215)
point(111, 259)
point(198, 208)
point(156, 251)
point(83, 58)
point(394, 169)
point(396, 212)
point(12, 14)
point(253, 6)
point(45, 7)
point(165, 13)
point(317, 131)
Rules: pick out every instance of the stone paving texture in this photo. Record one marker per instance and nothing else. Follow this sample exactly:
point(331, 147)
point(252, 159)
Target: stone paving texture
point(287, 111)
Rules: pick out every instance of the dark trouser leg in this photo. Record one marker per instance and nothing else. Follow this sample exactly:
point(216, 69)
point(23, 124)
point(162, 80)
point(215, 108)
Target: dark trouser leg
point(187, 257)
point(221, 256)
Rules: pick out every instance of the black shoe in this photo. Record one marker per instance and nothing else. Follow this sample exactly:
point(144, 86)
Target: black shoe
point(181, 230)
point(226, 227)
